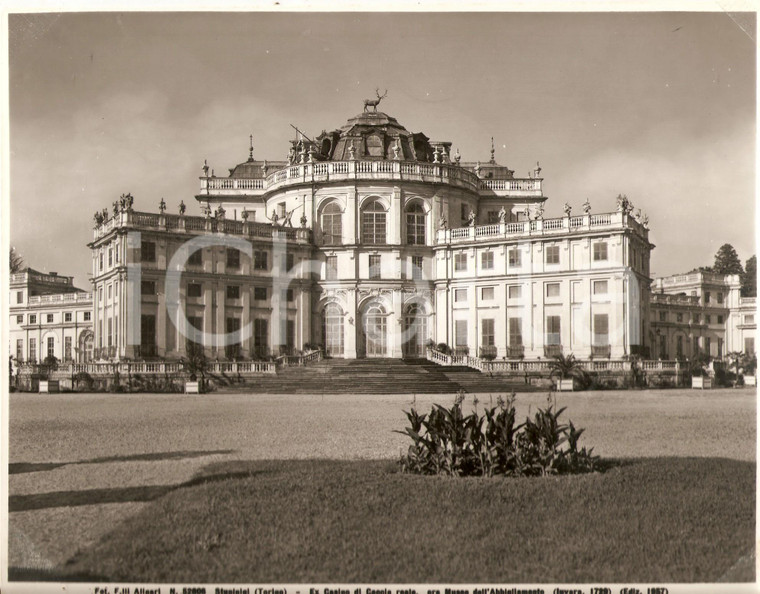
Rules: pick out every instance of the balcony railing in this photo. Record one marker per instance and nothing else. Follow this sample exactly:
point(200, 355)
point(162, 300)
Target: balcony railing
point(564, 225)
point(516, 351)
point(196, 225)
point(61, 298)
point(329, 171)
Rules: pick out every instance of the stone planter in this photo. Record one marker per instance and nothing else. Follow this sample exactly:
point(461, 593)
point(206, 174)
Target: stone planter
point(701, 383)
point(750, 380)
point(192, 388)
point(48, 386)
point(566, 384)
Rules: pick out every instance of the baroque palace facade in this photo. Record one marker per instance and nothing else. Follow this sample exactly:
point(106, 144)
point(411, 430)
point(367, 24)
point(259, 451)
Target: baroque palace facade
point(370, 241)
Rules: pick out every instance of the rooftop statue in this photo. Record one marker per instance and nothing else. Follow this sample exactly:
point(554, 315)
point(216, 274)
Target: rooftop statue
point(587, 206)
point(374, 102)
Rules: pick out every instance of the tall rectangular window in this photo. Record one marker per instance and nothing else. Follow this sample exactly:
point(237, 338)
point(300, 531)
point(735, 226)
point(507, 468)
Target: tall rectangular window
point(110, 257)
point(707, 296)
point(552, 254)
point(87, 316)
point(460, 333)
point(193, 339)
point(679, 346)
point(32, 318)
point(600, 251)
point(416, 267)
point(515, 257)
point(552, 330)
point(20, 349)
point(260, 260)
point(49, 318)
point(260, 337)
point(332, 268)
point(287, 262)
point(233, 259)
point(260, 293)
point(147, 287)
point(233, 292)
point(147, 252)
point(373, 224)
point(194, 289)
point(460, 262)
point(232, 351)
point(19, 296)
point(720, 297)
point(374, 266)
point(708, 345)
point(601, 330)
point(515, 332)
point(32, 349)
point(487, 333)
point(196, 258)
point(51, 346)
point(110, 332)
point(486, 260)
point(100, 261)
point(67, 316)
point(749, 345)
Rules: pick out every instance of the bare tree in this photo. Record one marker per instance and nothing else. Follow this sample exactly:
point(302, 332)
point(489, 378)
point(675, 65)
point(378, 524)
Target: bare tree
point(17, 262)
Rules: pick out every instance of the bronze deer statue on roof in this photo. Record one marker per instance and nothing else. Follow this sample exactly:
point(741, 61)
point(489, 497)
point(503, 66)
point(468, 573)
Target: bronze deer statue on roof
point(374, 102)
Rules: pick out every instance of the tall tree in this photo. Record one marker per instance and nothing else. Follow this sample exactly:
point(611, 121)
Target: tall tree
point(727, 261)
point(17, 262)
point(749, 278)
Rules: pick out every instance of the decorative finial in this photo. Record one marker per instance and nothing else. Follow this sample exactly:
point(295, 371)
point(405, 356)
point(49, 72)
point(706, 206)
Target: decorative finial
point(493, 152)
point(250, 149)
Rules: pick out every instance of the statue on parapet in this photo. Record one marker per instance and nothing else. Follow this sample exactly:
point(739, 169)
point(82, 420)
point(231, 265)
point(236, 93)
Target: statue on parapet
point(540, 212)
point(442, 222)
point(244, 215)
point(182, 207)
point(568, 209)
point(587, 207)
point(471, 218)
point(503, 215)
point(274, 219)
point(98, 218)
point(115, 208)
point(162, 206)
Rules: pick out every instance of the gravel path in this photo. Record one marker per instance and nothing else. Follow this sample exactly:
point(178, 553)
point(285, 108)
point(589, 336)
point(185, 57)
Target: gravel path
point(96, 459)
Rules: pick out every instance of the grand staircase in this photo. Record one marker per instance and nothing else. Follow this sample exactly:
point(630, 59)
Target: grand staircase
point(376, 376)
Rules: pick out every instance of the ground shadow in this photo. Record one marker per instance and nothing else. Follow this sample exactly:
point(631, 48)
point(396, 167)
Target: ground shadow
point(18, 503)
point(24, 467)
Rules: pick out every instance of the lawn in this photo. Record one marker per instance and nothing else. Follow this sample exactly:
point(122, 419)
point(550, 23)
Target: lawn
point(325, 521)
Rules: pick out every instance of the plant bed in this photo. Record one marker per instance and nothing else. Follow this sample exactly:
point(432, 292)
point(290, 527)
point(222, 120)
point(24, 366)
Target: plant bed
point(323, 521)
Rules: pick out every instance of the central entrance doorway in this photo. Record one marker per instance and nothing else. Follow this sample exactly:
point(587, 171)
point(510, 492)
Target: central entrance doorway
point(373, 340)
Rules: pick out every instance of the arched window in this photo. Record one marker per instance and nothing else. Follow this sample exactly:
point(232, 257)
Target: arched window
point(333, 329)
point(375, 331)
point(373, 224)
point(332, 227)
point(415, 331)
point(415, 225)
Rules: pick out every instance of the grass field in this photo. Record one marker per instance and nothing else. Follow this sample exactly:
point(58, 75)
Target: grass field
point(85, 469)
point(649, 520)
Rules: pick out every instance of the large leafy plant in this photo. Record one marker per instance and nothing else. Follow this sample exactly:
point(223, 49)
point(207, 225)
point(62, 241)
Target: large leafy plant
point(447, 441)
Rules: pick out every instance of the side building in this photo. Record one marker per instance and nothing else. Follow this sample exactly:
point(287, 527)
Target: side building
point(49, 317)
point(701, 313)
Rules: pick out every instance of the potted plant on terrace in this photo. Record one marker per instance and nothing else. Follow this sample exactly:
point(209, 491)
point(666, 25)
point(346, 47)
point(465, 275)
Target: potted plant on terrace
point(567, 368)
point(700, 379)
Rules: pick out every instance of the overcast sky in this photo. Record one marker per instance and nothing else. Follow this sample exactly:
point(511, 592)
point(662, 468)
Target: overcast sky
point(658, 106)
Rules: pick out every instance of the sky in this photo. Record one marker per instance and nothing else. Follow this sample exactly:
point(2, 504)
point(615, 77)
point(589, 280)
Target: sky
point(658, 106)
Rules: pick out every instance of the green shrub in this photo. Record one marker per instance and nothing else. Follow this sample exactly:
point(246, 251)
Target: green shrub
point(446, 441)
